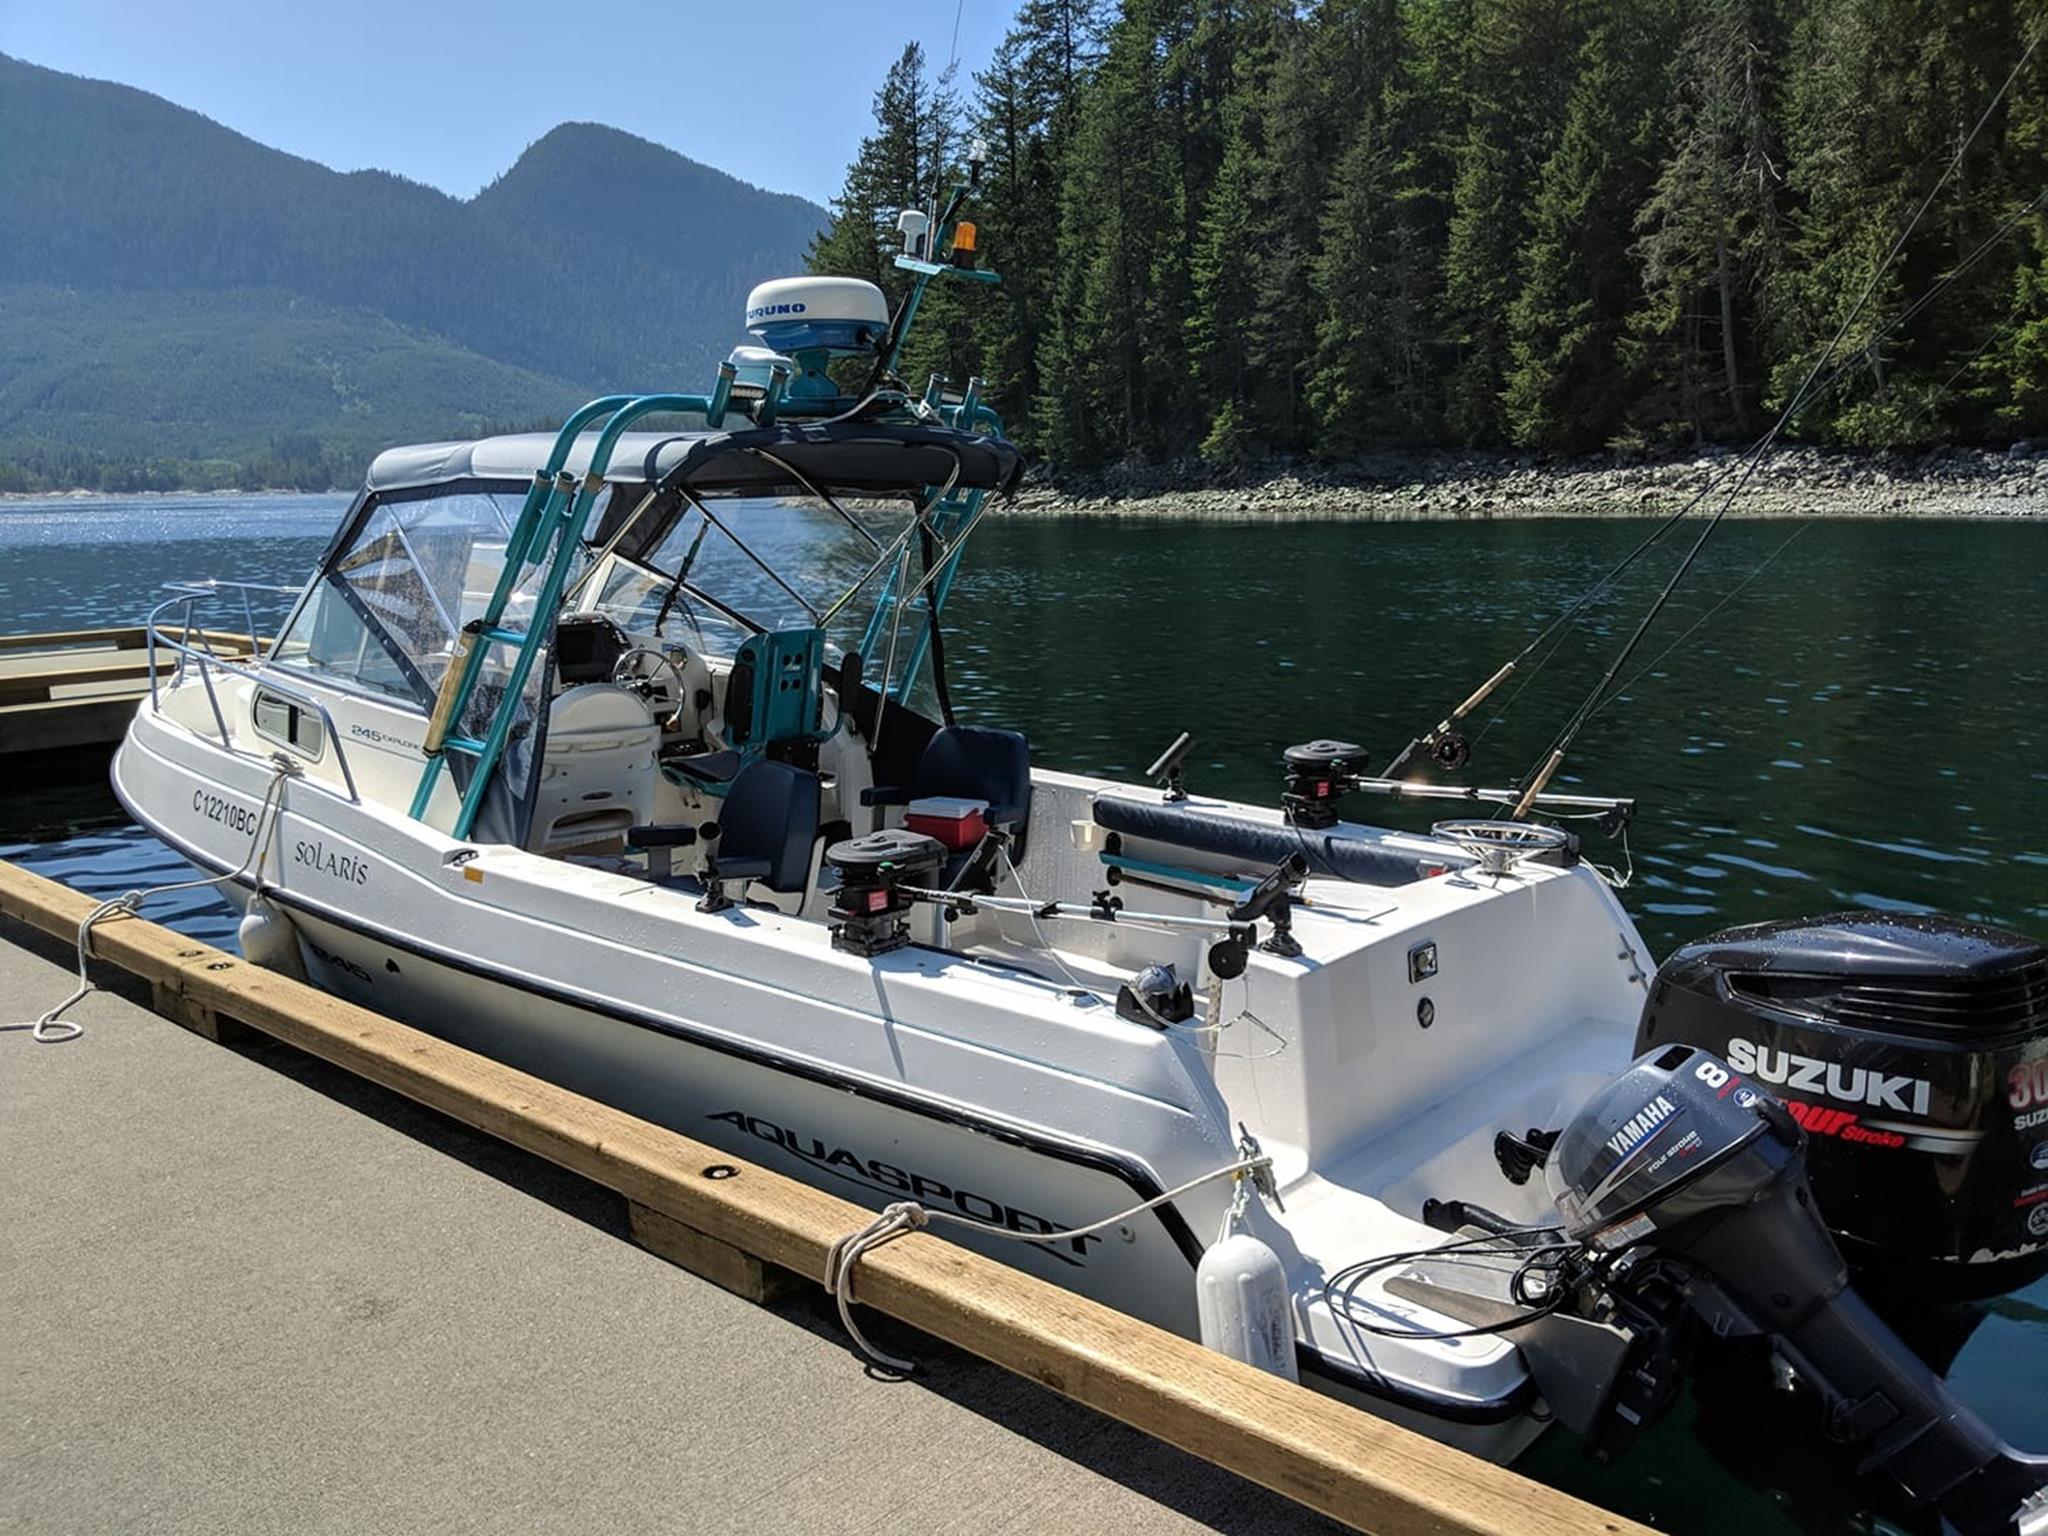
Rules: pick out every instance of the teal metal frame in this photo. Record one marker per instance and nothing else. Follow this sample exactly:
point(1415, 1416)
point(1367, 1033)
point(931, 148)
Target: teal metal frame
point(546, 530)
point(551, 520)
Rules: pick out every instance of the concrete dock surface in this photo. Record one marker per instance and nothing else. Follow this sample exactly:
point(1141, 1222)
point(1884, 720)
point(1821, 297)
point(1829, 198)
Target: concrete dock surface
point(244, 1291)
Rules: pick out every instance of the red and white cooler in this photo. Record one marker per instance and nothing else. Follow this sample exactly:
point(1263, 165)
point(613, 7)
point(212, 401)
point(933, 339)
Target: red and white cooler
point(959, 824)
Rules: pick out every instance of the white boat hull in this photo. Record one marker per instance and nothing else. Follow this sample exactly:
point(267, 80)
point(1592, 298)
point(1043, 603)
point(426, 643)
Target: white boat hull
point(918, 1075)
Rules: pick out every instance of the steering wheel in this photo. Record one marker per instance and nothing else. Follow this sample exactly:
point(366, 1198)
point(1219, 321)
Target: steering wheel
point(1500, 845)
point(672, 691)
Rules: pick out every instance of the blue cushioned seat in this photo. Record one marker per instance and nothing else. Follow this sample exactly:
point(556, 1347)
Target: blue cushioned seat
point(767, 826)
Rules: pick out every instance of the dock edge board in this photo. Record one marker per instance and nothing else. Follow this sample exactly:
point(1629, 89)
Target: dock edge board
point(1370, 1474)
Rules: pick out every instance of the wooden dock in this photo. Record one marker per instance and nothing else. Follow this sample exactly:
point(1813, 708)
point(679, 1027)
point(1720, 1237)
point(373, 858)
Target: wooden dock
point(751, 1230)
point(79, 688)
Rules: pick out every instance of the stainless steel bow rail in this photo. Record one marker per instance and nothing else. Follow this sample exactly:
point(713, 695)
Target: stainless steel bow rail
point(77, 688)
point(736, 1224)
point(193, 646)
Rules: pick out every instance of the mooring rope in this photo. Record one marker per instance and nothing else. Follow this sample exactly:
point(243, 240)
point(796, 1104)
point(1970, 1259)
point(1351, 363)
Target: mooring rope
point(51, 1027)
point(908, 1216)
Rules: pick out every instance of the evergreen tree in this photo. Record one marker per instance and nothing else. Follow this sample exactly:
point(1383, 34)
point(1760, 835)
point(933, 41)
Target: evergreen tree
point(1710, 227)
point(1567, 388)
point(1519, 75)
point(1333, 226)
point(900, 165)
point(1025, 110)
point(1376, 277)
point(1229, 271)
point(1117, 207)
point(1881, 96)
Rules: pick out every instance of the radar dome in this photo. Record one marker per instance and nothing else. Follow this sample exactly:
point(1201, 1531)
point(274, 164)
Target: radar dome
point(800, 314)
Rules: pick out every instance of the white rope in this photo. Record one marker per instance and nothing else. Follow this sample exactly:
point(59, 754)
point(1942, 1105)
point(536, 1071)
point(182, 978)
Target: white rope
point(52, 1028)
point(909, 1216)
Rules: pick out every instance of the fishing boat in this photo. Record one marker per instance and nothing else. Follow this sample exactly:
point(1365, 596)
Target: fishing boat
point(625, 755)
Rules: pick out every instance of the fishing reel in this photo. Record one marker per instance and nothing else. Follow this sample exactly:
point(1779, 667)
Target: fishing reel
point(1451, 751)
point(1318, 774)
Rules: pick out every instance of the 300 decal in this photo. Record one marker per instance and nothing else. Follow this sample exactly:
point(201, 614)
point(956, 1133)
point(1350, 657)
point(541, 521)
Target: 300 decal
point(2027, 1084)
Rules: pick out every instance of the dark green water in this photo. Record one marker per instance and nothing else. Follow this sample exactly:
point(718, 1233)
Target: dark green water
point(1863, 726)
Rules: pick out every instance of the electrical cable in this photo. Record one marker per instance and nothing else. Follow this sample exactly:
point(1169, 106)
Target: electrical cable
point(1345, 1281)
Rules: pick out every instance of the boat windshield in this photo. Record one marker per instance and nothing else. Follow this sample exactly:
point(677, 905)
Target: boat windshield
point(414, 567)
point(735, 565)
point(410, 571)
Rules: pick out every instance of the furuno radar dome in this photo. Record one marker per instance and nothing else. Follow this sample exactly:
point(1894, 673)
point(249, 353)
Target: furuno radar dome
point(803, 314)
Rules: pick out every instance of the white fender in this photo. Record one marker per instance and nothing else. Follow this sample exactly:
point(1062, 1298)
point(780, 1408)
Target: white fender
point(1241, 1294)
point(269, 940)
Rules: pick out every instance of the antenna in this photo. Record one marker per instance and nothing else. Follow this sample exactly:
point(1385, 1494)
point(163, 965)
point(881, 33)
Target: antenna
point(913, 224)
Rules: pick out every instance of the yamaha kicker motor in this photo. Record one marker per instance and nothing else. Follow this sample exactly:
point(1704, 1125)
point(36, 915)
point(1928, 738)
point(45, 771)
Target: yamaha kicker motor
point(1683, 1162)
point(1914, 1053)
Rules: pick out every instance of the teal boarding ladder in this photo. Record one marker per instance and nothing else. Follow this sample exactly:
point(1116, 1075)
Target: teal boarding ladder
point(548, 530)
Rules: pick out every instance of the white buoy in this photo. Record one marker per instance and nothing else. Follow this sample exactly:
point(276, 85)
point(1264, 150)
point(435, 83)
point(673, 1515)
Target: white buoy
point(1241, 1294)
point(269, 940)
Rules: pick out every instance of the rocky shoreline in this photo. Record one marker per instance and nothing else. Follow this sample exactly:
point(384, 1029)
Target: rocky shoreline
point(1946, 482)
point(1793, 482)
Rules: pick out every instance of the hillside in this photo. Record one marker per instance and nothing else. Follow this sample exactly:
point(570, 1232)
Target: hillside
point(142, 389)
point(183, 293)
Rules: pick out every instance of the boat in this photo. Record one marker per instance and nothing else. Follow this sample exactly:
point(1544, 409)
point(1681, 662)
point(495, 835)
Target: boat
point(625, 755)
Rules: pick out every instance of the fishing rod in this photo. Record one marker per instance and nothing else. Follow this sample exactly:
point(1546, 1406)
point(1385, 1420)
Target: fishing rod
point(1807, 523)
point(1553, 758)
point(1451, 751)
point(1954, 275)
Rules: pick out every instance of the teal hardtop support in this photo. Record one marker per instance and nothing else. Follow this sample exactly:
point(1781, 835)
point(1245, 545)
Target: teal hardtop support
point(534, 513)
point(551, 520)
point(950, 518)
point(550, 534)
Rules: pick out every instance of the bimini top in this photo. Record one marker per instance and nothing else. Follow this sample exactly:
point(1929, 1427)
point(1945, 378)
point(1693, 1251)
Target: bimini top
point(855, 456)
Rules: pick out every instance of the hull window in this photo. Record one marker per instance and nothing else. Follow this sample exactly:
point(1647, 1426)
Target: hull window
point(289, 722)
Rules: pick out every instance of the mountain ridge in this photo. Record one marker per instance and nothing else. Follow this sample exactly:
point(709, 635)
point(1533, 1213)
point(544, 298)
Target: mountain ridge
point(597, 260)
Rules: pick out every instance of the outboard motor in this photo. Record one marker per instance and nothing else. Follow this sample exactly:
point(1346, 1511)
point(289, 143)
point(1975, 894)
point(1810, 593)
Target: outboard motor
point(1687, 1160)
point(1914, 1053)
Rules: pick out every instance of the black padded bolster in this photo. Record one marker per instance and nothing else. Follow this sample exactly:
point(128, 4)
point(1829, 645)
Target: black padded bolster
point(1261, 845)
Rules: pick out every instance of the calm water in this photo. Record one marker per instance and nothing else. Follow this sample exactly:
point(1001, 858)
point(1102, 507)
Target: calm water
point(1862, 726)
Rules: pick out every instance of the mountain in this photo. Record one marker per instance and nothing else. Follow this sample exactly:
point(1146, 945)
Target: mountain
point(183, 293)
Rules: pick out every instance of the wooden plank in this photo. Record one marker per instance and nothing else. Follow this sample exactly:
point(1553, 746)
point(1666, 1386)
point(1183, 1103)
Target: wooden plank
point(63, 723)
point(1370, 1474)
point(32, 678)
point(42, 688)
point(730, 1268)
point(168, 998)
point(127, 637)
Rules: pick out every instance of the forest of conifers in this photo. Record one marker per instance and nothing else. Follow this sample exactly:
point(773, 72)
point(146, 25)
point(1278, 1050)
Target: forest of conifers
point(1242, 228)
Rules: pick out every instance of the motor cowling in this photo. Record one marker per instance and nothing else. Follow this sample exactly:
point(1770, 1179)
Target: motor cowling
point(1913, 1051)
point(1689, 1161)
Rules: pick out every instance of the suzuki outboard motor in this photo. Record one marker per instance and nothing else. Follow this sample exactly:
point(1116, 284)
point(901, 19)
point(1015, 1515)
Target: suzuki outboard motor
point(1685, 1158)
point(1914, 1053)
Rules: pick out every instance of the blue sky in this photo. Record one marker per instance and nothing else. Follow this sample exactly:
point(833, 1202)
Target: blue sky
point(450, 91)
